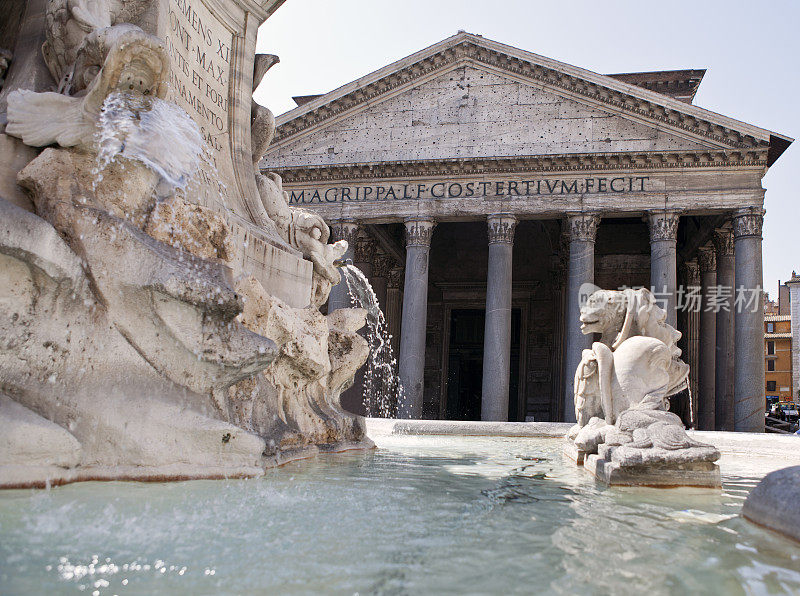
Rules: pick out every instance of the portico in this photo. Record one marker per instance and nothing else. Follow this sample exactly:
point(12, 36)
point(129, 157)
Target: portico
point(495, 183)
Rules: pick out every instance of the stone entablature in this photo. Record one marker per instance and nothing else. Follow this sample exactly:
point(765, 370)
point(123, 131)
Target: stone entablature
point(528, 194)
point(572, 162)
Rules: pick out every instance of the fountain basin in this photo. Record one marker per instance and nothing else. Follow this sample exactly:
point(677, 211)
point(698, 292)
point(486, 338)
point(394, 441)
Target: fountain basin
point(438, 507)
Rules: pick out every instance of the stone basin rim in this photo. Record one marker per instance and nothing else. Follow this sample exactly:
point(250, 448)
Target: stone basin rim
point(730, 443)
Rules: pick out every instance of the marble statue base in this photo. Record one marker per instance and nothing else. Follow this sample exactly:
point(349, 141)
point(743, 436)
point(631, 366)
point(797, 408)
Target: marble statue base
point(657, 474)
point(575, 453)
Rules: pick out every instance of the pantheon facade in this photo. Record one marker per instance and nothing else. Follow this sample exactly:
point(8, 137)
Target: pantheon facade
point(480, 186)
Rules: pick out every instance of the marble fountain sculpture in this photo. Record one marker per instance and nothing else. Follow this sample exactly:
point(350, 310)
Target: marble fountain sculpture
point(158, 321)
point(625, 433)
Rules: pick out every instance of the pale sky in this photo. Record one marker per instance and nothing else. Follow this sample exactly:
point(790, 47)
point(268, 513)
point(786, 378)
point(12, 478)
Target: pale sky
point(751, 51)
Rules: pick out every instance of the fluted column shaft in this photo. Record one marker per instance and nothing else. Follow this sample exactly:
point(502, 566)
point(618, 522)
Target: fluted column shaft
point(663, 264)
point(580, 270)
point(723, 243)
point(415, 312)
point(342, 230)
point(748, 322)
point(497, 334)
point(708, 342)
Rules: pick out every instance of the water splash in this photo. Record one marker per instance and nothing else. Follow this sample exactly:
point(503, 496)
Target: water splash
point(383, 392)
point(152, 131)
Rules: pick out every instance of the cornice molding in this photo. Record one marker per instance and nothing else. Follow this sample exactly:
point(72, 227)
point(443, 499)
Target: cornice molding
point(467, 51)
point(573, 162)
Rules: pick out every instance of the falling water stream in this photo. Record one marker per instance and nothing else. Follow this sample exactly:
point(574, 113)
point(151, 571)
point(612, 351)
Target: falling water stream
point(383, 391)
point(152, 131)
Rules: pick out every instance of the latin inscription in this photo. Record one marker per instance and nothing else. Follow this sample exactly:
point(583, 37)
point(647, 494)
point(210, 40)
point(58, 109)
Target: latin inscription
point(199, 47)
point(497, 189)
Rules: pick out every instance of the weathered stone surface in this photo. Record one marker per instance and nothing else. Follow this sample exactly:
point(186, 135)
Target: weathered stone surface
point(295, 401)
point(773, 503)
point(31, 440)
point(193, 228)
point(466, 113)
point(14, 155)
point(460, 427)
point(697, 474)
point(63, 357)
point(119, 320)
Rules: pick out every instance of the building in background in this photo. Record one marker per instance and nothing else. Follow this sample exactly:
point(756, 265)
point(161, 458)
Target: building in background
point(782, 342)
point(480, 186)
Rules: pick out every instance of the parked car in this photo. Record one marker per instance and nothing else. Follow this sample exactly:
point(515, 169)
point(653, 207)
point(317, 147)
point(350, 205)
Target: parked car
point(788, 412)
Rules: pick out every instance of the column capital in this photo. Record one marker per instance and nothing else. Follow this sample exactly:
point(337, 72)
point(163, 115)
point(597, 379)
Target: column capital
point(363, 249)
point(344, 229)
point(748, 222)
point(501, 228)
point(663, 224)
point(583, 226)
point(692, 273)
point(723, 242)
point(707, 258)
point(381, 265)
point(419, 231)
point(395, 278)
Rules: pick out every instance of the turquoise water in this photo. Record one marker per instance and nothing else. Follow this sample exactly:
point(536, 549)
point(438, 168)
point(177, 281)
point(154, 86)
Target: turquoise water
point(419, 515)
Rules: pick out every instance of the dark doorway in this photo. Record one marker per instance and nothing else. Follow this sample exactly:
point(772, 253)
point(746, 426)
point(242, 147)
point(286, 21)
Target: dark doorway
point(465, 365)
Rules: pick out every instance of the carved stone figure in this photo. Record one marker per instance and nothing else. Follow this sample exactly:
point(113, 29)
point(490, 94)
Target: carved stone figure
point(118, 58)
point(625, 433)
point(303, 230)
point(125, 341)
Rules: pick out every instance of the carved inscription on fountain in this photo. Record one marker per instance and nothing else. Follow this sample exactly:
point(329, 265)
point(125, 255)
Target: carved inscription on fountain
point(199, 47)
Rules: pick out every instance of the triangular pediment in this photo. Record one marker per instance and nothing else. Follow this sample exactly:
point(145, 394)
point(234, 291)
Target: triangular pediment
point(468, 97)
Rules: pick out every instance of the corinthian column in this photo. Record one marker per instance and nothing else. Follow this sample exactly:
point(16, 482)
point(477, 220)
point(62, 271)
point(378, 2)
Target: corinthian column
point(708, 341)
point(723, 242)
point(663, 268)
point(342, 230)
point(497, 335)
point(748, 367)
point(582, 233)
point(415, 311)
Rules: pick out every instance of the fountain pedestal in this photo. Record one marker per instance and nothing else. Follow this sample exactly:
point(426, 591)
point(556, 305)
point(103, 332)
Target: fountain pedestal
point(659, 474)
